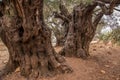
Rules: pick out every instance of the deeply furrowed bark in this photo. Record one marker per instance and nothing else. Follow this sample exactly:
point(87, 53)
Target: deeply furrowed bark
point(81, 32)
point(28, 40)
point(82, 26)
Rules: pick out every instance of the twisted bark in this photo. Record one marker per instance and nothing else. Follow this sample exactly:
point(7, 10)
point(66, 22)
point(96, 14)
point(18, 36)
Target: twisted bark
point(28, 40)
point(83, 26)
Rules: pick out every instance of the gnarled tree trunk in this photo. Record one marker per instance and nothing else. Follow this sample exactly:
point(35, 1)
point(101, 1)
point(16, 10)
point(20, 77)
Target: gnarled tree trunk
point(28, 39)
point(82, 27)
point(81, 31)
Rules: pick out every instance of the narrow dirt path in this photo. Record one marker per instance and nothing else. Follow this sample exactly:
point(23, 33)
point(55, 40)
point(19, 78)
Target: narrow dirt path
point(103, 64)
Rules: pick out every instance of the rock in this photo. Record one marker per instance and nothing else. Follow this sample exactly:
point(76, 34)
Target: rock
point(5, 61)
point(102, 71)
point(94, 42)
point(107, 66)
point(18, 69)
point(94, 49)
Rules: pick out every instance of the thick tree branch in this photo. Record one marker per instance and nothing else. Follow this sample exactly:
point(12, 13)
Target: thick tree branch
point(62, 17)
point(112, 5)
point(98, 18)
point(64, 13)
point(90, 8)
point(107, 9)
point(63, 10)
point(108, 1)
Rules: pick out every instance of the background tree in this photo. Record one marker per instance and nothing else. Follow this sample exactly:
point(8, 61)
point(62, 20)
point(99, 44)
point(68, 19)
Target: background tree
point(28, 39)
point(83, 24)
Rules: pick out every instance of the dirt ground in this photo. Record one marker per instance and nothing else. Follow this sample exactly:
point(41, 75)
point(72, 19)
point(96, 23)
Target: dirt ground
point(103, 64)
